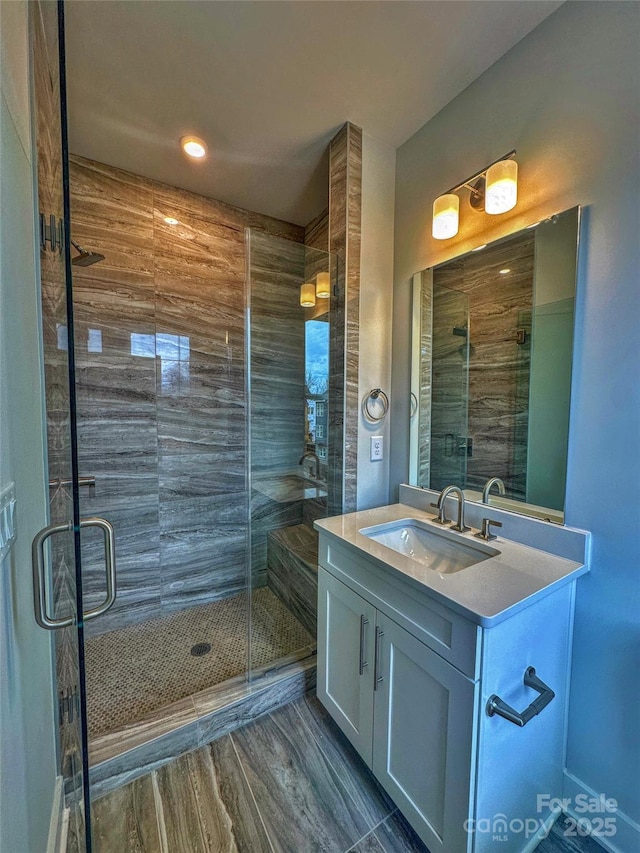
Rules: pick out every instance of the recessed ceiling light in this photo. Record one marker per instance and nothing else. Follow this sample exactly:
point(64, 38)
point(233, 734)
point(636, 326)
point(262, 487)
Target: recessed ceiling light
point(170, 220)
point(504, 272)
point(194, 147)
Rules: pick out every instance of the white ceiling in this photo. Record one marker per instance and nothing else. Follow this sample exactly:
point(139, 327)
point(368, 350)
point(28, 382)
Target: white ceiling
point(267, 84)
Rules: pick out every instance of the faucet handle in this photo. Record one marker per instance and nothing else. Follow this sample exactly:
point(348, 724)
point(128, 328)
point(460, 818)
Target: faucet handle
point(485, 532)
point(442, 516)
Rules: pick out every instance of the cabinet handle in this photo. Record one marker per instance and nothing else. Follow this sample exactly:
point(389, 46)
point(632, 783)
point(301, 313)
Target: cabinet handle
point(377, 679)
point(363, 662)
point(495, 705)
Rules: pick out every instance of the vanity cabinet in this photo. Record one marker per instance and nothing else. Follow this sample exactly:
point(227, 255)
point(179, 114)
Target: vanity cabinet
point(408, 680)
point(346, 630)
point(406, 710)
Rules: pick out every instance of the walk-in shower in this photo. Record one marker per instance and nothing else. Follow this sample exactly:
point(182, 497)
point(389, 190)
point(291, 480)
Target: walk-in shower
point(201, 382)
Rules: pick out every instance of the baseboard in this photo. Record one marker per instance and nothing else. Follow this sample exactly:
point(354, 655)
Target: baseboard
point(543, 831)
point(56, 823)
point(627, 831)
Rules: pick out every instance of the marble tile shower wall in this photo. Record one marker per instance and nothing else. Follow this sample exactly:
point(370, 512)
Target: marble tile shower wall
point(498, 376)
point(277, 268)
point(345, 214)
point(160, 340)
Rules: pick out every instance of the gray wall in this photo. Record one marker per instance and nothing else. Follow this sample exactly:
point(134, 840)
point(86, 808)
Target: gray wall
point(27, 751)
point(567, 98)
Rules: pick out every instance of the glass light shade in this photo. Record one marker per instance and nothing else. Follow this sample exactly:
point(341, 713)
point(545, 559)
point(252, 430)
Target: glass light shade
point(445, 216)
point(502, 187)
point(308, 294)
point(323, 285)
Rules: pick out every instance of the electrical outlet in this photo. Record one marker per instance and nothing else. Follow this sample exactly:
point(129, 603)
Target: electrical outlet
point(377, 448)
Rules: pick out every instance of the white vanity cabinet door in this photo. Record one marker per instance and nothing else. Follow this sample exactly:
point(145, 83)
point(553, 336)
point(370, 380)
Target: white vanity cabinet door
point(423, 733)
point(346, 626)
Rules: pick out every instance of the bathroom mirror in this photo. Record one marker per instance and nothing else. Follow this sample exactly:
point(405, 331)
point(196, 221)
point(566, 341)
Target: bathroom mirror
point(491, 368)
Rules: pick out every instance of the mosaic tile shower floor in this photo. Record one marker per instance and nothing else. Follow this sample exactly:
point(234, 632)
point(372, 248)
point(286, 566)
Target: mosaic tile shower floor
point(134, 671)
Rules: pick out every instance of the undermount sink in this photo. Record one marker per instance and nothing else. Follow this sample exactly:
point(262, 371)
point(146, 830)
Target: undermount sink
point(437, 549)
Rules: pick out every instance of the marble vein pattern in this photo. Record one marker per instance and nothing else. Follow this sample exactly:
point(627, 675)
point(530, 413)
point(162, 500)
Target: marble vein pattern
point(289, 781)
point(160, 351)
point(117, 759)
point(292, 571)
point(127, 820)
point(296, 788)
point(424, 392)
point(480, 382)
point(200, 803)
point(316, 232)
point(345, 184)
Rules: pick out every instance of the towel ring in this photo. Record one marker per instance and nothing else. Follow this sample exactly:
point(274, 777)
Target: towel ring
point(375, 394)
point(414, 405)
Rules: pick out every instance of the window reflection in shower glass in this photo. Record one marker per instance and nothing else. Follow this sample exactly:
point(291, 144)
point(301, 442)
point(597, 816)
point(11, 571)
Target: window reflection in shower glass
point(143, 345)
point(94, 340)
point(317, 389)
point(174, 352)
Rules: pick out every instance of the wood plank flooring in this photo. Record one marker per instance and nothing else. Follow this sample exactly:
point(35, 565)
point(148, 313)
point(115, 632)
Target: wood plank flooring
point(287, 783)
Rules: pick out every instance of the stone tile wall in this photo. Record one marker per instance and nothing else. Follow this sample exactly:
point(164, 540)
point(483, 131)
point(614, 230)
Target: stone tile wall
point(344, 229)
point(160, 347)
point(496, 305)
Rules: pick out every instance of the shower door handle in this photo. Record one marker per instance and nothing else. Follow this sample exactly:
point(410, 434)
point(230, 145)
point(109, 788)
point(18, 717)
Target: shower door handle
point(39, 581)
point(109, 563)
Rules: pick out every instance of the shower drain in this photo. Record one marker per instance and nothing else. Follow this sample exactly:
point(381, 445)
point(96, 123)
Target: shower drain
point(200, 649)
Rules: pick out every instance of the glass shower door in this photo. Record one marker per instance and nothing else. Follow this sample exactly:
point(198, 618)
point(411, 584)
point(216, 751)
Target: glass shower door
point(290, 471)
point(56, 549)
point(450, 388)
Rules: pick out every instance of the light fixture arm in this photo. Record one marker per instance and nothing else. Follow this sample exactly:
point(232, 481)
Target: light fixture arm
point(469, 181)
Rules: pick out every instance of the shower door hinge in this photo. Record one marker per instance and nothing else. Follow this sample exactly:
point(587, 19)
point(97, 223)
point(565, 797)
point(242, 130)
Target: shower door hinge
point(52, 233)
point(68, 705)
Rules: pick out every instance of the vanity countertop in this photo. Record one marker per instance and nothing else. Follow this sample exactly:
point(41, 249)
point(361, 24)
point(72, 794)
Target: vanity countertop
point(486, 593)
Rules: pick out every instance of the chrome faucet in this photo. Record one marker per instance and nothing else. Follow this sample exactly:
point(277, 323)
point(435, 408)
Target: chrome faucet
point(311, 455)
point(494, 481)
point(441, 504)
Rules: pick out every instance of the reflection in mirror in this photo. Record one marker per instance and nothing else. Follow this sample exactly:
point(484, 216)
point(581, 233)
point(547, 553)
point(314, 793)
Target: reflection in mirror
point(491, 369)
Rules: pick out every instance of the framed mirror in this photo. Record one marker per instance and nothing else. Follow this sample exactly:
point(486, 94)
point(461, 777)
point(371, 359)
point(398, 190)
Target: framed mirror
point(491, 369)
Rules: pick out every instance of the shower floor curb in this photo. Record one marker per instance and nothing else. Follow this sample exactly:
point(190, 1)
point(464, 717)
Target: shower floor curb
point(120, 757)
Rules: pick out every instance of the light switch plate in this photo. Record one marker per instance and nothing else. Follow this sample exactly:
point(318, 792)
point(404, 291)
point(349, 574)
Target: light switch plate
point(377, 448)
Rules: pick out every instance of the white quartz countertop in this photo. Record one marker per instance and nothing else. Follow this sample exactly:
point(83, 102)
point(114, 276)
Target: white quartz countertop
point(487, 593)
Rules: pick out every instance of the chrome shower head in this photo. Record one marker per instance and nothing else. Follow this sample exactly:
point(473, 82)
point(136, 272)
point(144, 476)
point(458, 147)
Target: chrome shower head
point(85, 257)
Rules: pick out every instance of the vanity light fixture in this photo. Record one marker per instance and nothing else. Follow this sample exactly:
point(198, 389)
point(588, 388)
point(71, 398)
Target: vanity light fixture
point(493, 189)
point(501, 191)
point(323, 285)
point(308, 294)
point(194, 147)
point(446, 213)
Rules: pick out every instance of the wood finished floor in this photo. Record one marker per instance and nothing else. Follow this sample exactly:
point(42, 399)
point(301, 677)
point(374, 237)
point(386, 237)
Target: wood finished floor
point(287, 783)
